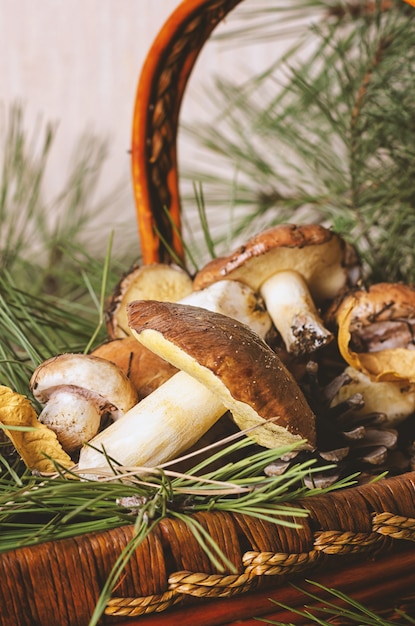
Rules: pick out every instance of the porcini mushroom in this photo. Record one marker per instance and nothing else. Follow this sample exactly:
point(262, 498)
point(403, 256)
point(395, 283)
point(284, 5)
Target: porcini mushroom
point(295, 269)
point(146, 370)
point(155, 281)
point(77, 390)
point(376, 331)
point(224, 366)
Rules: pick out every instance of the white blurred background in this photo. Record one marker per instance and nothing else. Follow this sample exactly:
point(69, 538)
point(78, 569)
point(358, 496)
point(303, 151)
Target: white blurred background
point(76, 63)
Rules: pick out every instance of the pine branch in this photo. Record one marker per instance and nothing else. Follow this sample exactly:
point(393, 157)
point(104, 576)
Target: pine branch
point(325, 137)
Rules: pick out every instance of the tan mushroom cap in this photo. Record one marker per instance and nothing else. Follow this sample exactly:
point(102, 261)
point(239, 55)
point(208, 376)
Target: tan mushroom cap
point(93, 376)
point(380, 302)
point(318, 254)
point(158, 281)
point(376, 331)
point(234, 363)
point(146, 370)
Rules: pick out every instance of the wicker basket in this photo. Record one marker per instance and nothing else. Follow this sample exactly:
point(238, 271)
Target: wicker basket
point(360, 540)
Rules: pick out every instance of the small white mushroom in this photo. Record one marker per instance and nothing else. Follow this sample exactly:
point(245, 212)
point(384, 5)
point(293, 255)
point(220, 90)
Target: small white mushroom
point(77, 390)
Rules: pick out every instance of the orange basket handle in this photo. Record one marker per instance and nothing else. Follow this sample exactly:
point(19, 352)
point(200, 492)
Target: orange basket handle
point(159, 94)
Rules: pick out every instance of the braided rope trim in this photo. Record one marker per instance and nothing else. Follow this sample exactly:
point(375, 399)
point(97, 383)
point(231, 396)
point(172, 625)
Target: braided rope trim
point(256, 564)
point(394, 526)
point(130, 607)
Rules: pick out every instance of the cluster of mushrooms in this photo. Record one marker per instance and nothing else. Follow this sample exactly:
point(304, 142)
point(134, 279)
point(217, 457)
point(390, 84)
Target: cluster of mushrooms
point(281, 339)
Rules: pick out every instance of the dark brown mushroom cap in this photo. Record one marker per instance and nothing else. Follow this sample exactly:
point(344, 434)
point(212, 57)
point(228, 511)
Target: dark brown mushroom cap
point(233, 362)
point(321, 256)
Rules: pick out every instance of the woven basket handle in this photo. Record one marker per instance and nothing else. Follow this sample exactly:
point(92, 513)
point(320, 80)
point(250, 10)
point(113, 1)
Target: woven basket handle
point(156, 113)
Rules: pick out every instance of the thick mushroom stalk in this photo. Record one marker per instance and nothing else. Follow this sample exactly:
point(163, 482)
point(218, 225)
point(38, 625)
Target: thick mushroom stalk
point(295, 316)
point(224, 366)
point(161, 426)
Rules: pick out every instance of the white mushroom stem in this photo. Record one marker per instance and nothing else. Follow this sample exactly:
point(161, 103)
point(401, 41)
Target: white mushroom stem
point(58, 414)
point(164, 424)
point(291, 308)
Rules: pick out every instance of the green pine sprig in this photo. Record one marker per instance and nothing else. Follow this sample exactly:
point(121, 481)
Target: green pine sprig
point(324, 134)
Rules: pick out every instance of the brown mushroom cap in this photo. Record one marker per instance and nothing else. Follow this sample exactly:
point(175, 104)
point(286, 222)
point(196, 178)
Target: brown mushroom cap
point(318, 254)
point(234, 363)
point(146, 370)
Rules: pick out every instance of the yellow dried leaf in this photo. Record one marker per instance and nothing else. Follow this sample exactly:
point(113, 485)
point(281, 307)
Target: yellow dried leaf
point(32, 445)
point(393, 365)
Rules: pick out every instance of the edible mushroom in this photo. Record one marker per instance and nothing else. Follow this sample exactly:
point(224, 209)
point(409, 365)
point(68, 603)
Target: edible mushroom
point(394, 401)
point(295, 268)
point(224, 366)
point(376, 331)
point(77, 391)
point(155, 281)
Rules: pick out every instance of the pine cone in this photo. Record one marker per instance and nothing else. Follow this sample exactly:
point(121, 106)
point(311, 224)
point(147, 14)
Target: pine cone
point(348, 439)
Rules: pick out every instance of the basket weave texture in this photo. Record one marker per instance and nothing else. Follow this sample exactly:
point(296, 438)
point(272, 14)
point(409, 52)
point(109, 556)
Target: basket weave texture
point(64, 578)
point(60, 582)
